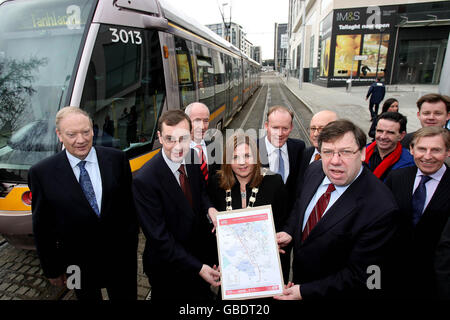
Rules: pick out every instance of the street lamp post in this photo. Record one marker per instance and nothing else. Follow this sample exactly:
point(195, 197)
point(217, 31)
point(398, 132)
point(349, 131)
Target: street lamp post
point(300, 80)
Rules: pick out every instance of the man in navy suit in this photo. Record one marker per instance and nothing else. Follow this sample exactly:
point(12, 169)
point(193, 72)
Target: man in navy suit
point(339, 227)
point(283, 155)
point(172, 206)
point(83, 212)
point(423, 196)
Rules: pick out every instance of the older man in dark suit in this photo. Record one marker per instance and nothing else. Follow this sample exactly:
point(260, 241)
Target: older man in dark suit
point(310, 154)
point(339, 227)
point(423, 196)
point(283, 155)
point(172, 206)
point(83, 212)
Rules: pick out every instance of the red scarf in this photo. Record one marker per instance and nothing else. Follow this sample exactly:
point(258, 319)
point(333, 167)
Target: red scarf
point(387, 162)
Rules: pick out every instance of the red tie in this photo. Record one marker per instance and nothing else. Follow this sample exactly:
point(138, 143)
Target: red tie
point(318, 211)
point(317, 157)
point(203, 164)
point(184, 184)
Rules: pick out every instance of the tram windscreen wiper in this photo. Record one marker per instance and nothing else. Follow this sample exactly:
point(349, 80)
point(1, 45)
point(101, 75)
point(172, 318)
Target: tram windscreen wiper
point(34, 137)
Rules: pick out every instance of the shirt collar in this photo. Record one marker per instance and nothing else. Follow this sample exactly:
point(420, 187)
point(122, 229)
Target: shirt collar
point(436, 176)
point(173, 166)
point(194, 144)
point(91, 157)
point(270, 147)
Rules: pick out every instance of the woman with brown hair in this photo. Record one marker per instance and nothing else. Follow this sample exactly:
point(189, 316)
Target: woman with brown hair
point(242, 181)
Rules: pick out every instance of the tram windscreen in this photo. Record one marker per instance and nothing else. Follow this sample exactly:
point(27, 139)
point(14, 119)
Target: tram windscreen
point(39, 44)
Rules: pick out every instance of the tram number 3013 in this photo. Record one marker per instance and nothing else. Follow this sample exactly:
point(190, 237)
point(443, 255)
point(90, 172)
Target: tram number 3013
point(124, 36)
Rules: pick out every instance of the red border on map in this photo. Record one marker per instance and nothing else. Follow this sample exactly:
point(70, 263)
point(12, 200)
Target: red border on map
point(250, 290)
point(258, 217)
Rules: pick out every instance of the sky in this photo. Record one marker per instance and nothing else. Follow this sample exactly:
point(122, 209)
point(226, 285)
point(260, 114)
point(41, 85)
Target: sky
point(257, 17)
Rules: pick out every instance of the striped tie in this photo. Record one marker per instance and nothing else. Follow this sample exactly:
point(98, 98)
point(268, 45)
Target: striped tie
point(318, 211)
point(203, 164)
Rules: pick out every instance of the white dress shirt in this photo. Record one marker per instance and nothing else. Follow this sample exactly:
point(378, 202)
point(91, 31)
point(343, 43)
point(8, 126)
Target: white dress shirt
point(334, 196)
point(313, 155)
point(174, 166)
point(272, 155)
point(93, 170)
point(431, 185)
point(193, 145)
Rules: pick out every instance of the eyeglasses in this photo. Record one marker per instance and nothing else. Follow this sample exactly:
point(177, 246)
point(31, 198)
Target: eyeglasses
point(346, 154)
point(318, 129)
point(173, 140)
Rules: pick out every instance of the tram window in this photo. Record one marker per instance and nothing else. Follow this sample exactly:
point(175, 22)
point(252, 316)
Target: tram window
point(205, 73)
point(186, 82)
point(34, 77)
point(124, 89)
point(219, 79)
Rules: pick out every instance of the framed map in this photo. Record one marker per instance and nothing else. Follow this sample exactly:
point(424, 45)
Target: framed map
point(248, 254)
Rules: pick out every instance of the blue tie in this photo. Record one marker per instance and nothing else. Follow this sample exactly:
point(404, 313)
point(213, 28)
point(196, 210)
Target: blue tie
point(418, 199)
point(280, 165)
point(86, 186)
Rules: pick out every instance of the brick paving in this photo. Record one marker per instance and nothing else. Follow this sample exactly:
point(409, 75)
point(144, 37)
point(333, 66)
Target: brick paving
point(21, 277)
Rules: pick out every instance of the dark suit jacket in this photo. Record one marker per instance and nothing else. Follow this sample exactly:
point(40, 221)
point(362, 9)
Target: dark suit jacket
point(350, 237)
point(68, 232)
point(305, 159)
point(174, 230)
point(417, 245)
point(442, 263)
point(376, 92)
point(295, 149)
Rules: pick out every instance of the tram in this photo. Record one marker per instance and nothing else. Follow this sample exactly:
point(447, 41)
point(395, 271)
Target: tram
point(124, 62)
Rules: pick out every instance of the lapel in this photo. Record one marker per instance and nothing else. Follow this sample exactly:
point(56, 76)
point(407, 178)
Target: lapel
point(345, 205)
point(170, 185)
point(308, 193)
point(107, 174)
point(441, 196)
point(263, 153)
point(406, 185)
point(65, 178)
point(293, 156)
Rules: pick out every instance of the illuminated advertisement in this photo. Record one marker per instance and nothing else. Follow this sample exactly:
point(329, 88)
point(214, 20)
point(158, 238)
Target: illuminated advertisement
point(375, 47)
point(325, 57)
point(347, 46)
point(355, 43)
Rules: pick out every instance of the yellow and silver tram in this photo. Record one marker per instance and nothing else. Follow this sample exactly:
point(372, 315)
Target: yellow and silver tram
point(123, 61)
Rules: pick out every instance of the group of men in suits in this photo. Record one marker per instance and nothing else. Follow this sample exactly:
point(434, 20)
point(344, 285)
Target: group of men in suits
point(337, 225)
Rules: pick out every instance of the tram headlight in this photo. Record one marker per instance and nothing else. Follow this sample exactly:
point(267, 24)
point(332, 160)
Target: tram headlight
point(26, 198)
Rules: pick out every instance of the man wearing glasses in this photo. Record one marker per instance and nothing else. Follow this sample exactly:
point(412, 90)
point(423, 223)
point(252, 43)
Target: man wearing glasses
point(339, 227)
point(317, 123)
point(172, 206)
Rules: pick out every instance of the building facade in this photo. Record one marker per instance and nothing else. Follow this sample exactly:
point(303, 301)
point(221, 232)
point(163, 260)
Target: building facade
point(281, 46)
point(399, 41)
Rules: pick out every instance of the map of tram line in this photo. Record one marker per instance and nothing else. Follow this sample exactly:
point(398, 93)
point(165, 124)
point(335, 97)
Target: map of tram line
point(248, 253)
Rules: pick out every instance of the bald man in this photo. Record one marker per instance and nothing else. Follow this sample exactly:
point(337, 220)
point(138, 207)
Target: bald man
point(311, 154)
point(199, 115)
point(318, 122)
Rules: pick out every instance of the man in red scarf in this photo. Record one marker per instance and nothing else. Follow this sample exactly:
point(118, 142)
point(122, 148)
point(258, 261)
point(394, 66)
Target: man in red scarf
point(386, 153)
